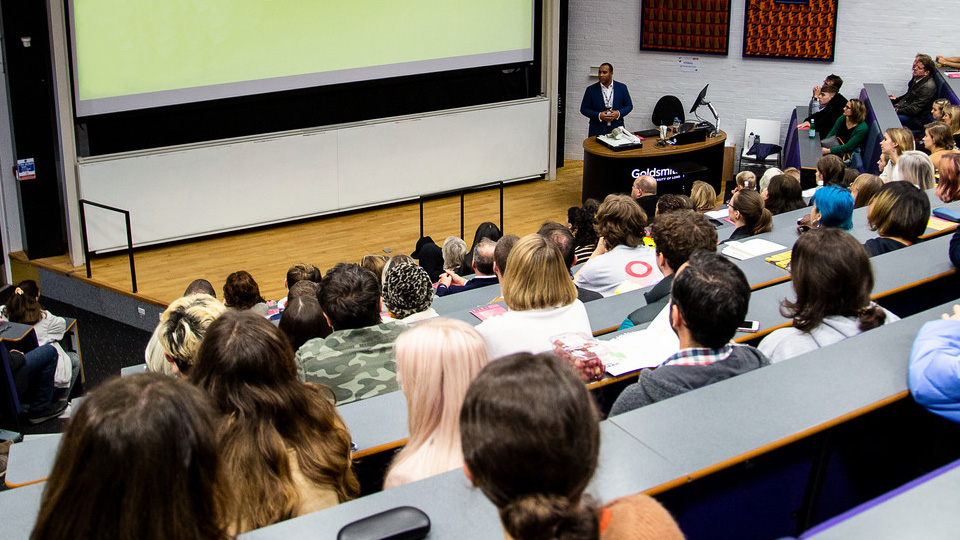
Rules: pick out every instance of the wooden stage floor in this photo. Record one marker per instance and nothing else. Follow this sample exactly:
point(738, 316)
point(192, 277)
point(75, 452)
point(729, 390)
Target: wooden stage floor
point(164, 272)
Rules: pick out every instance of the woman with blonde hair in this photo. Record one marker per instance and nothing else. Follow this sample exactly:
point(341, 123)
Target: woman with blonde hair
point(895, 142)
point(704, 197)
point(864, 188)
point(285, 450)
point(951, 117)
point(436, 361)
point(180, 332)
point(915, 167)
point(541, 297)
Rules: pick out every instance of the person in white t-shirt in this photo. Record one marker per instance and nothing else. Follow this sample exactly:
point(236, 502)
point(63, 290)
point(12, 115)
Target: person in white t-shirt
point(542, 300)
point(621, 255)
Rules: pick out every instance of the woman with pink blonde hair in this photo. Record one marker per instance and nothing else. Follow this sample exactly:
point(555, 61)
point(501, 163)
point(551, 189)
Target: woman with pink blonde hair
point(436, 361)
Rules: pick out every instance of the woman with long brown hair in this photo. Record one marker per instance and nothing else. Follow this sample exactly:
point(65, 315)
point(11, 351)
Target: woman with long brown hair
point(138, 460)
point(284, 448)
point(749, 215)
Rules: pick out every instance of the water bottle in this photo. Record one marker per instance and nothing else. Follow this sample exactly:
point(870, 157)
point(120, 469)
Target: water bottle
point(676, 125)
point(756, 140)
point(750, 140)
point(813, 133)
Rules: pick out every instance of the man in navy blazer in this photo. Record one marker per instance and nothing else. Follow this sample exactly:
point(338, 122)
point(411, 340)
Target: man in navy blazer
point(605, 103)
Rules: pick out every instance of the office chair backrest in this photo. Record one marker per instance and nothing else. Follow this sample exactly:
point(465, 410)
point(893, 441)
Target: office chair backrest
point(666, 109)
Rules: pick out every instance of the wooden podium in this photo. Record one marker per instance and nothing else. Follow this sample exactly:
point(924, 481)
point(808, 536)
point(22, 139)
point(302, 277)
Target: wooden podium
point(607, 171)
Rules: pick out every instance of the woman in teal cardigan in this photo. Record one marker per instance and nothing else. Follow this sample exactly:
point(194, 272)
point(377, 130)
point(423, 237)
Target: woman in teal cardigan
point(850, 129)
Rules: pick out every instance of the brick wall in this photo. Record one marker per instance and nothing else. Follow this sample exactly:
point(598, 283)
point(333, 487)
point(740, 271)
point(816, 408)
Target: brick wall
point(876, 43)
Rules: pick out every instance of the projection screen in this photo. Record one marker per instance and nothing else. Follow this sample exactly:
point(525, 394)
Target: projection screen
point(134, 54)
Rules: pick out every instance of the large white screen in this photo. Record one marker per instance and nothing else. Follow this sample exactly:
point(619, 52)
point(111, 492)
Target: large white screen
point(132, 54)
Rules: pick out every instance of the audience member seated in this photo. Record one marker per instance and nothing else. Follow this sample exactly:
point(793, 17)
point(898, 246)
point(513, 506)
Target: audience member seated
point(375, 264)
point(949, 61)
point(408, 293)
point(563, 240)
point(502, 252)
point(948, 188)
point(744, 180)
point(482, 261)
point(749, 215)
point(831, 108)
point(182, 328)
point(284, 448)
point(303, 320)
point(242, 292)
point(864, 188)
point(670, 202)
point(297, 273)
point(783, 194)
point(850, 131)
point(938, 140)
point(764, 182)
point(454, 250)
point(430, 257)
point(620, 255)
point(436, 362)
point(830, 170)
point(934, 366)
point(792, 172)
point(914, 106)
point(582, 223)
point(709, 301)
point(829, 80)
point(137, 460)
point(531, 444)
point(485, 230)
point(832, 279)
point(677, 235)
point(832, 207)
point(45, 375)
point(200, 286)
point(645, 193)
point(703, 197)
point(356, 360)
point(303, 288)
point(951, 117)
point(541, 297)
point(895, 142)
point(915, 167)
point(936, 112)
point(899, 213)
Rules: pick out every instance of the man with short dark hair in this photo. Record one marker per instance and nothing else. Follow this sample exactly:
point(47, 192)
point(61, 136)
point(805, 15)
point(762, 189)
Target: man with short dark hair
point(605, 102)
point(501, 252)
point(710, 296)
point(913, 107)
point(200, 286)
point(356, 361)
point(677, 235)
point(560, 236)
point(451, 283)
point(645, 192)
point(832, 103)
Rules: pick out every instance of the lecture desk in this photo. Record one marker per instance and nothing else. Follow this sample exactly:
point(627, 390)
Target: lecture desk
point(801, 150)
point(882, 107)
point(925, 508)
point(952, 90)
point(19, 508)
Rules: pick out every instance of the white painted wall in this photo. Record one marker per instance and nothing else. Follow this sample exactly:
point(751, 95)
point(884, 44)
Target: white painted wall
point(876, 43)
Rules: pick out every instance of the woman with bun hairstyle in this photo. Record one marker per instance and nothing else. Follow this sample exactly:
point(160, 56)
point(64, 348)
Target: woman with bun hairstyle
point(436, 361)
point(284, 448)
point(832, 278)
point(531, 440)
point(137, 460)
point(749, 215)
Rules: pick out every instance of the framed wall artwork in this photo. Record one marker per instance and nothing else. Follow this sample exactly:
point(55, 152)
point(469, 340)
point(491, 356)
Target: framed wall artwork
point(797, 29)
point(698, 26)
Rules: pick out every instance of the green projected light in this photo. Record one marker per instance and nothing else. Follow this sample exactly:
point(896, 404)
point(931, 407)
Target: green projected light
point(132, 47)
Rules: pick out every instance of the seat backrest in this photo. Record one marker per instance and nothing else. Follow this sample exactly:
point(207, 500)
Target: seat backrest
point(666, 109)
point(768, 130)
point(871, 149)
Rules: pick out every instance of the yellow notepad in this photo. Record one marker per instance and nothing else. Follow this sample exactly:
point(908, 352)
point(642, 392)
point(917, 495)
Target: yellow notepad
point(781, 259)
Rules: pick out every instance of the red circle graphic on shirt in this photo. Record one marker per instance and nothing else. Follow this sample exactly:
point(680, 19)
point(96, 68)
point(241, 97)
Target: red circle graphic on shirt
point(646, 269)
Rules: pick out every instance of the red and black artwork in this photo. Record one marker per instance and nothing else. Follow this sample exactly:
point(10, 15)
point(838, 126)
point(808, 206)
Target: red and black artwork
point(798, 30)
point(700, 26)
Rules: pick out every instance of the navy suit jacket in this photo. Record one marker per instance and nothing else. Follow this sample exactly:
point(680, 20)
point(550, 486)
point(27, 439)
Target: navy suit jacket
point(592, 105)
point(473, 283)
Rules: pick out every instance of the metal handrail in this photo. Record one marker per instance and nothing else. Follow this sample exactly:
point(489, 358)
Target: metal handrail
point(83, 238)
point(462, 192)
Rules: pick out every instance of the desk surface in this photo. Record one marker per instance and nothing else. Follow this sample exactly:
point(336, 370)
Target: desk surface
point(879, 102)
point(650, 148)
point(19, 508)
point(928, 510)
point(807, 147)
point(953, 85)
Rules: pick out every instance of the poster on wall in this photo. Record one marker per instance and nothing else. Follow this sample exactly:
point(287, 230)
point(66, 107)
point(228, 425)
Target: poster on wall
point(699, 26)
point(797, 29)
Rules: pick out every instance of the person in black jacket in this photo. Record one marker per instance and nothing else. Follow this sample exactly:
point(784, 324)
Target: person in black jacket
point(913, 107)
point(831, 102)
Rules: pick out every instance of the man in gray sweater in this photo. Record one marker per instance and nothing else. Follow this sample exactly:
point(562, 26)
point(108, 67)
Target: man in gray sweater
point(709, 299)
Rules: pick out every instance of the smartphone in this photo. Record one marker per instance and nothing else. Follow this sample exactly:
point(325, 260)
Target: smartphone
point(749, 326)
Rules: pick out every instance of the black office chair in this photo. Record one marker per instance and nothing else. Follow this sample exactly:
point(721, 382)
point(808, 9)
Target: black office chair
point(666, 109)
